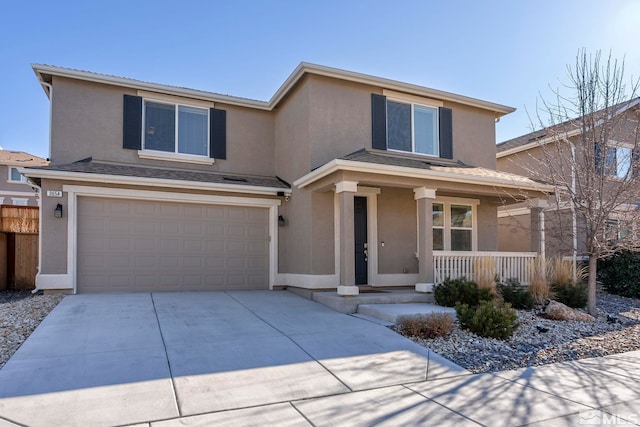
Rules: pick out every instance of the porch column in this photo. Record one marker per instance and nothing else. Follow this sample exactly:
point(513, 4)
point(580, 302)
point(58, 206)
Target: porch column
point(346, 191)
point(537, 225)
point(425, 197)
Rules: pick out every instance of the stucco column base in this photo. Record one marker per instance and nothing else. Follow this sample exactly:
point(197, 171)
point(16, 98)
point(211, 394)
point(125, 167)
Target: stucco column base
point(348, 291)
point(425, 288)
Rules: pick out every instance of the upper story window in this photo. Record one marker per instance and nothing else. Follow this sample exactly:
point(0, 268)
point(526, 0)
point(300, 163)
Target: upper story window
point(176, 128)
point(617, 162)
point(412, 128)
point(163, 128)
point(15, 176)
point(411, 124)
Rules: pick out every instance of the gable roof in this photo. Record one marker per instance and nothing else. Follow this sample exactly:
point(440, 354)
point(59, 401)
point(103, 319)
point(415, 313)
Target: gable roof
point(549, 134)
point(20, 158)
point(45, 73)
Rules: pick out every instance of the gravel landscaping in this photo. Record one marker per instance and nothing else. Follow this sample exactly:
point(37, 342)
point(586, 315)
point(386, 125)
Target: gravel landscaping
point(20, 314)
point(540, 341)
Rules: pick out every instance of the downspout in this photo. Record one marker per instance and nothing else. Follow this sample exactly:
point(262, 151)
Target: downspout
point(50, 88)
point(542, 236)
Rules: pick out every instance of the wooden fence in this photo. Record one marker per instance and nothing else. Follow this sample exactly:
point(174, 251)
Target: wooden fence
point(18, 246)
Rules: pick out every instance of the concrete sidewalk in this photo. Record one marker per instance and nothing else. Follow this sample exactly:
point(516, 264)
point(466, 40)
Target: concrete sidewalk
point(260, 358)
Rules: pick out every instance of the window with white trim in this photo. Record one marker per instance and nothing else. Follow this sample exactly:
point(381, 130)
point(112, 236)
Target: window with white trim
point(412, 127)
point(453, 226)
point(617, 162)
point(175, 128)
point(15, 176)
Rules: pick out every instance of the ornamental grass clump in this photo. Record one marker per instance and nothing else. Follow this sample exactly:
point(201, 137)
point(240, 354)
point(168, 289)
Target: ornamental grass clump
point(563, 286)
point(426, 326)
point(485, 274)
point(539, 284)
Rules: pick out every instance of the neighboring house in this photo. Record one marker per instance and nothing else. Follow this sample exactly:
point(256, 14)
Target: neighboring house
point(529, 154)
point(14, 189)
point(340, 179)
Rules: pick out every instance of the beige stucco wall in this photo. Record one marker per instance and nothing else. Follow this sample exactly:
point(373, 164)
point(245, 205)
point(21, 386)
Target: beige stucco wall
point(487, 224)
point(474, 135)
point(514, 233)
point(397, 228)
point(87, 122)
point(53, 231)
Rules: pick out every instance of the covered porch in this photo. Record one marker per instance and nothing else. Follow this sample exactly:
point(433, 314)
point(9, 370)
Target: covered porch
point(411, 222)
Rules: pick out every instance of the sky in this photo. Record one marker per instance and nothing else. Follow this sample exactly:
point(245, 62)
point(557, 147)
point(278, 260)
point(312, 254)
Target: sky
point(508, 52)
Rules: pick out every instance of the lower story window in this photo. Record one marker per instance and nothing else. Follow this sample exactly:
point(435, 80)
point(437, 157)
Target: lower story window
point(453, 226)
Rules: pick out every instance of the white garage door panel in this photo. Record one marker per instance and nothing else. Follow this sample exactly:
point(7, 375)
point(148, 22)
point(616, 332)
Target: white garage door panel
point(132, 245)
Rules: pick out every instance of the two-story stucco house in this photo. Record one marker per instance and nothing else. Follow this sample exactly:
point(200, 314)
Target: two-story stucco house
point(14, 189)
point(607, 157)
point(341, 179)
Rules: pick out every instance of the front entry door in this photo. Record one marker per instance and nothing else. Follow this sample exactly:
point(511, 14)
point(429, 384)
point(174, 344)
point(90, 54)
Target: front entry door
point(360, 230)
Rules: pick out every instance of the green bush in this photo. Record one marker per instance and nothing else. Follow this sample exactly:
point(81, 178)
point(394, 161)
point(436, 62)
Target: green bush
point(463, 291)
point(426, 325)
point(620, 274)
point(516, 295)
point(489, 319)
point(575, 296)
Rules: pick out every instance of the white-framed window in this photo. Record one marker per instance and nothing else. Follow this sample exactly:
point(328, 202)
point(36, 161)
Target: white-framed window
point(617, 162)
point(175, 128)
point(454, 225)
point(15, 176)
point(412, 127)
point(19, 201)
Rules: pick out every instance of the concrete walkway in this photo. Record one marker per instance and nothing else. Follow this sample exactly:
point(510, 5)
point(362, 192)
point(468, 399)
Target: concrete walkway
point(273, 358)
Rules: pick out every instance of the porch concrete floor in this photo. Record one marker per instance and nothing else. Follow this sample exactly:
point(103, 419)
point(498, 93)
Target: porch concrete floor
point(349, 304)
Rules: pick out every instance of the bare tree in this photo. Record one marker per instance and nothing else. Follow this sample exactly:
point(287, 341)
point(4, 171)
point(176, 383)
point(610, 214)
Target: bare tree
point(590, 153)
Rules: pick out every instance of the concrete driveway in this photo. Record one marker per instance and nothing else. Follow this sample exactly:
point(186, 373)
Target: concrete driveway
point(134, 358)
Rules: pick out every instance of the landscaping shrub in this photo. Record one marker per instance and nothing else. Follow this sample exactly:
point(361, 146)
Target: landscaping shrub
point(426, 325)
point(513, 293)
point(539, 284)
point(489, 319)
point(620, 274)
point(462, 291)
point(572, 295)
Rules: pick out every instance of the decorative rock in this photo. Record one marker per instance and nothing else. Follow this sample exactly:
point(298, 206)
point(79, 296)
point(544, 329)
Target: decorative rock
point(558, 311)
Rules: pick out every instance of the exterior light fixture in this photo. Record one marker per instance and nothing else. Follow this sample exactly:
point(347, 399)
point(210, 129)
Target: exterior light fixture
point(57, 212)
point(281, 221)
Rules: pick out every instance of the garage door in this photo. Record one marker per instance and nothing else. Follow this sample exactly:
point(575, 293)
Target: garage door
point(132, 245)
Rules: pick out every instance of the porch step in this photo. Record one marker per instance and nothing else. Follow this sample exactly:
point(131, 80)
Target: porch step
point(391, 312)
point(349, 305)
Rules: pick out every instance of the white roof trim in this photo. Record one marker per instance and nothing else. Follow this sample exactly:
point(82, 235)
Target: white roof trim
point(350, 165)
point(151, 182)
point(287, 86)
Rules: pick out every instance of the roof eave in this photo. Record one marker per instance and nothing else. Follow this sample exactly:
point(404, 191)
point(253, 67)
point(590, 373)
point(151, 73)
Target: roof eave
point(303, 68)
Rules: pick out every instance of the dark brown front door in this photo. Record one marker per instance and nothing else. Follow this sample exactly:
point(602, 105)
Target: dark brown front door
point(361, 245)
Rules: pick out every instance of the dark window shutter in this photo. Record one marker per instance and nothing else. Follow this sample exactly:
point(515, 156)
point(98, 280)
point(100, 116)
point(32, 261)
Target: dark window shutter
point(446, 133)
point(379, 121)
point(132, 119)
point(635, 162)
point(598, 153)
point(218, 134)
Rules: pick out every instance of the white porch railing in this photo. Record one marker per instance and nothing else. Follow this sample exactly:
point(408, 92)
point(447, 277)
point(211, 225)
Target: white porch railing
point(461, 264)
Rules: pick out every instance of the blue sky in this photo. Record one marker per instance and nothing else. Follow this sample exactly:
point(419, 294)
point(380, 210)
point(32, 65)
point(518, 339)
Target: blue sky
point(502, 51)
